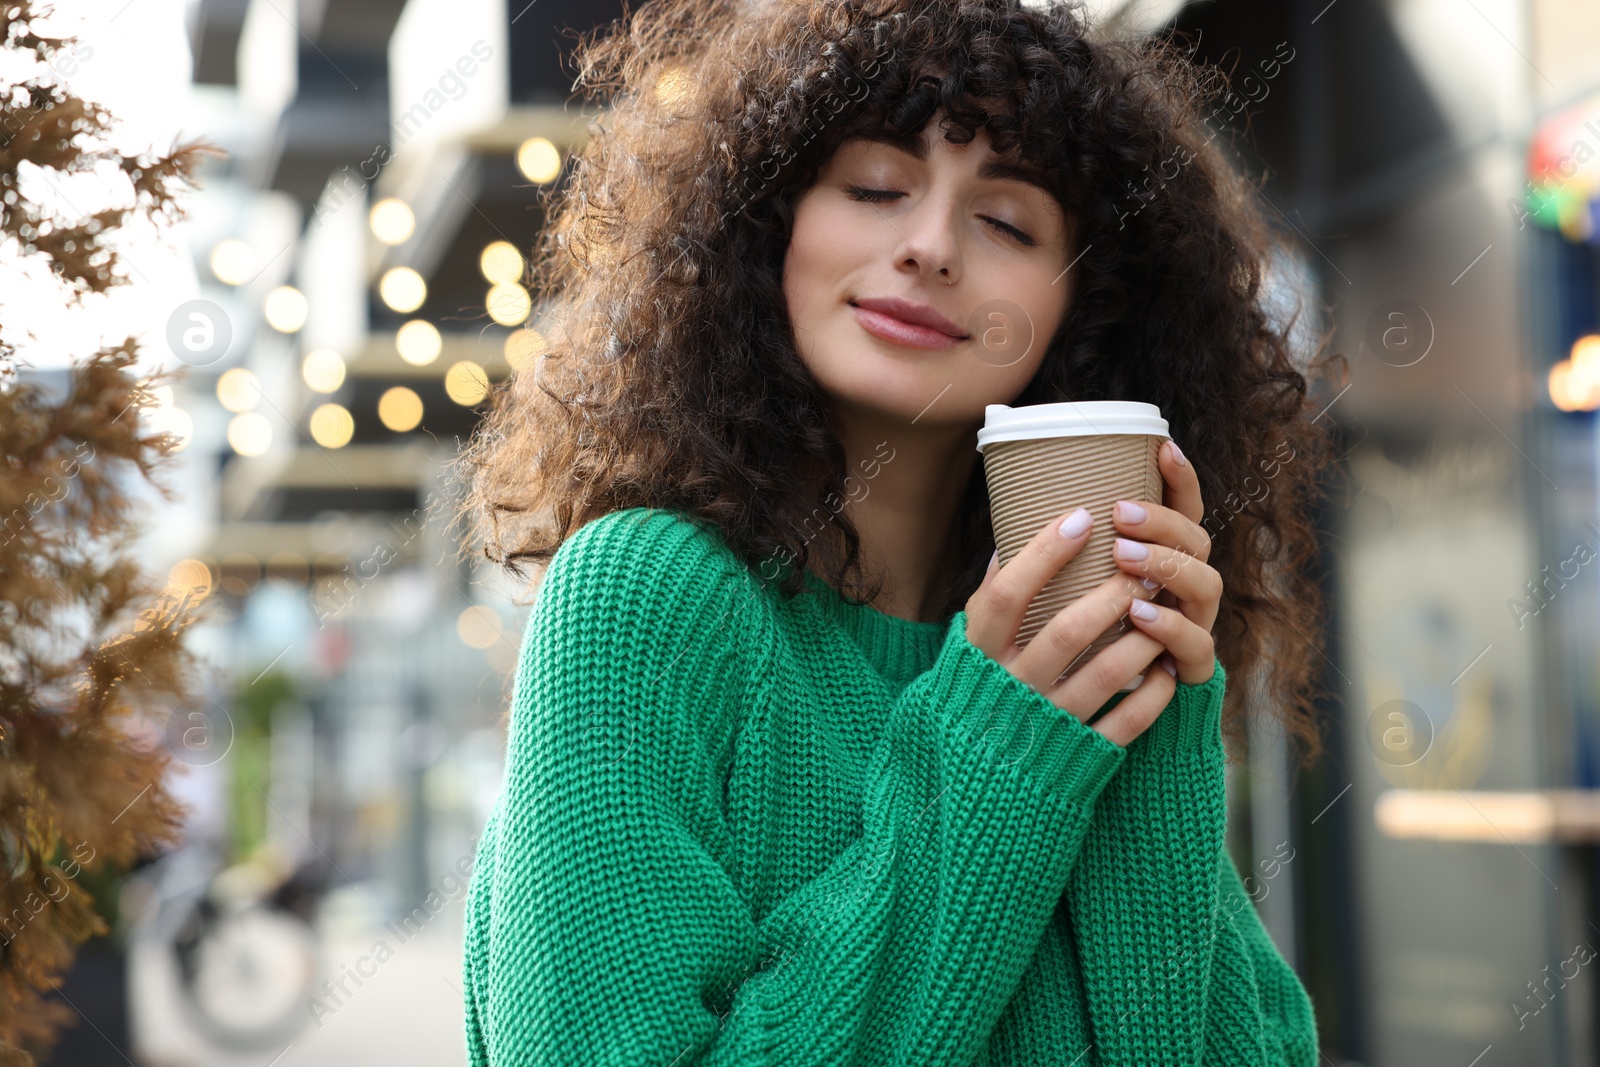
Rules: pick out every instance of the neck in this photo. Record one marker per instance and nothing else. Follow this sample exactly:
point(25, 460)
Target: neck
point(906, 487)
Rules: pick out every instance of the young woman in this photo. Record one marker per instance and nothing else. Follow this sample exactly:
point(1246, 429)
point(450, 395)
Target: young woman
point(781, 787)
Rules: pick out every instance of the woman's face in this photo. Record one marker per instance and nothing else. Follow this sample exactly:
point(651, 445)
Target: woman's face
point(925, 224)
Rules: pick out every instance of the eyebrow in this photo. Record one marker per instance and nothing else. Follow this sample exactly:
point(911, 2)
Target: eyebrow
point(914, 145)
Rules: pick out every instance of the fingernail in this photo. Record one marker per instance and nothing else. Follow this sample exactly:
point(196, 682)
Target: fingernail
point(1130, 512)
point(1150, 584)
point(1076, 524)
point(994, 558)
point(1177, 453)
point(1143, 609)
point(1129, 550)
point(1169, 666)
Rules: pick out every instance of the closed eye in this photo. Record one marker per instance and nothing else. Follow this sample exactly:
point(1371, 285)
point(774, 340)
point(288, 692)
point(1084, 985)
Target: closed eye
point(882, 196)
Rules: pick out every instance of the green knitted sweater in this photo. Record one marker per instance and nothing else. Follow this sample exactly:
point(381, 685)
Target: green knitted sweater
point(740, 829)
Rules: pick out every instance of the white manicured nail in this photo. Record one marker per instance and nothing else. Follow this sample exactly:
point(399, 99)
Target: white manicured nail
point(1076, 524)
point(1123, 548)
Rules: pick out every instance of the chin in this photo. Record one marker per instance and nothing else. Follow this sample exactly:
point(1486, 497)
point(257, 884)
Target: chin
point(886, 383)
point(901, 403)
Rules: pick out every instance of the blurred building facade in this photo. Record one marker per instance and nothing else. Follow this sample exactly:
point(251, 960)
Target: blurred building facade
point(1445, 898)
point(361, 255)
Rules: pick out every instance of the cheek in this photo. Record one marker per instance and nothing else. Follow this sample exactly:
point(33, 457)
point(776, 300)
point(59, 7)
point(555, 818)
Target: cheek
point(1047, 304)
point(1040, 308)
point(1045, 290)
point(808, 244)
point(1022, 308)
point(791, 304)
point(817, 263)
point(801, 268)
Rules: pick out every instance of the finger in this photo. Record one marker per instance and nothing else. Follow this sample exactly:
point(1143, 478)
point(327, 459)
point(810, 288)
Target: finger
point(996, 612)
point(1066, 634)
point(1197, 585)
point(1192, 648)
point(1144, 520)
point(1182, 491)
point(1103, 676)
point(1135, 712)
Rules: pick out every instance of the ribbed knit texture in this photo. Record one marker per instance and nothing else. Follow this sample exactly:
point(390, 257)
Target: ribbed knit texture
point(736, 829)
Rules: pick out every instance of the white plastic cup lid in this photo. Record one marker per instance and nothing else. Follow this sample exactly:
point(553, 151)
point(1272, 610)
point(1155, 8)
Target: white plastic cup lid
point(1074, 418)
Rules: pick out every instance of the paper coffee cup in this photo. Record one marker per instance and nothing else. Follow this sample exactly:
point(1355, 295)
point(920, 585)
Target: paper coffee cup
point(1043, 460)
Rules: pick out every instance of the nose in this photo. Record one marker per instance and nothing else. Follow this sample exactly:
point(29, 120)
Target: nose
point(929, 244)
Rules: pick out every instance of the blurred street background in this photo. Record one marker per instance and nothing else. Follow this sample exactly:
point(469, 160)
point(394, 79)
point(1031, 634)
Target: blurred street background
point(348, 285)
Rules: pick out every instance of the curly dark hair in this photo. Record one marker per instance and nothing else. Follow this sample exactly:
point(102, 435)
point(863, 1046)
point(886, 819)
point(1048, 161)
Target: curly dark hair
point(671, 377)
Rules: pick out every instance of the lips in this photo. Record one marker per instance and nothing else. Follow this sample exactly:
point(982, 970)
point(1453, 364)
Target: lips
point(908, 311)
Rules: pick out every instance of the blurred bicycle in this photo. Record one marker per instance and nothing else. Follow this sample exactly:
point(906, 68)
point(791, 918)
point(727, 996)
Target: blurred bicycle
point(234, 948)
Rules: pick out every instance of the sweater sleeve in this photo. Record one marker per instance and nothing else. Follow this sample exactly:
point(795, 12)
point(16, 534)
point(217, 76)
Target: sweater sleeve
point(617, 933)
point(1173, 968)
point(1257, 1011)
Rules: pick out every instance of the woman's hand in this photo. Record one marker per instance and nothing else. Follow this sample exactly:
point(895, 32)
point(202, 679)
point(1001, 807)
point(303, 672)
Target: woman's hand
point(1167, 544)
point(995, 612)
